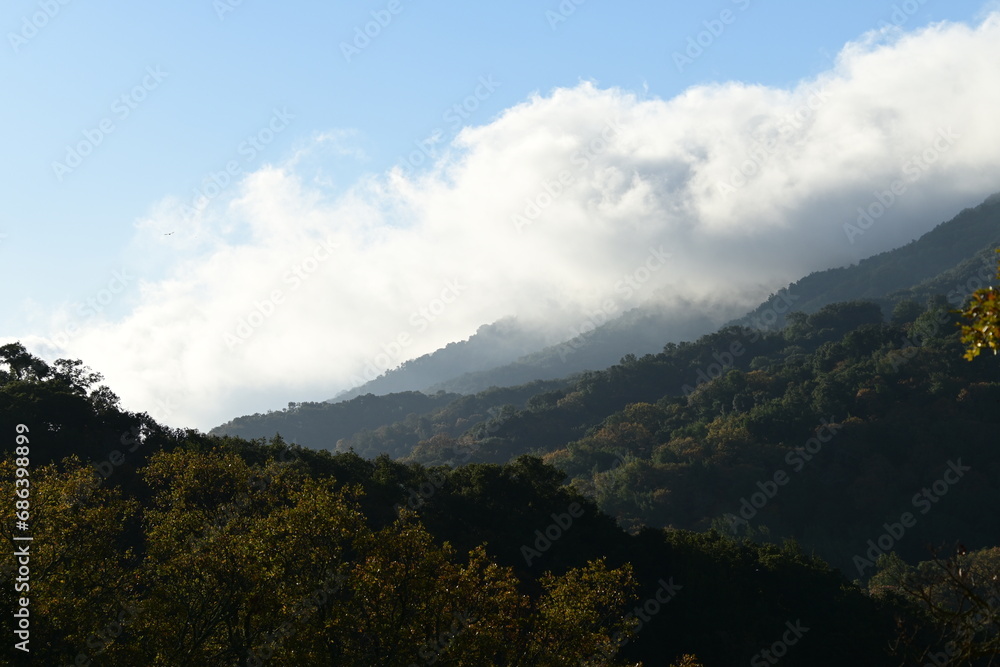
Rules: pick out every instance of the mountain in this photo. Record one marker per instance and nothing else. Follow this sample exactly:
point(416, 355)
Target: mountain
point(638, 331)
point(824, 432)
point(950, 261)
point(750, 474)
point(506, 354)
point(289, 556)
point(492, 345)
point(953, 259)
point(325, 425)
point(313, 423)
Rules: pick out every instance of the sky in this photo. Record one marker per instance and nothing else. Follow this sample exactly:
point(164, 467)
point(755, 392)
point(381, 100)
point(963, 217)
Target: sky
point(227, 205)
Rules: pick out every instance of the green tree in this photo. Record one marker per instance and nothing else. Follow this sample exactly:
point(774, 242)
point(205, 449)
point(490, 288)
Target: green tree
point(81, 571)
point(906, 311)
point(958, 598)
point(983, 314)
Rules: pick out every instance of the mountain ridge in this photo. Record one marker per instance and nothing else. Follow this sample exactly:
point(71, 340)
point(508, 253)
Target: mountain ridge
point(955, 255)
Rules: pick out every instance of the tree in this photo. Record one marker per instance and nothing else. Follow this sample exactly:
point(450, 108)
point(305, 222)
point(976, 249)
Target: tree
point(236, 556)
point(237, 563)
point(983, 313)
point(959, 596)
point(906, 311)
point(21, 365)
point(842, 317)
point(580, 616)
point(687, 660)
point(81, 584)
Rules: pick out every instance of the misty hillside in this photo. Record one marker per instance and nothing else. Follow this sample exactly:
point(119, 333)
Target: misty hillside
point(492, 345)
point(639, 331)
point(325, 422)
point(953, 259)
point(501, 334)
point(955, 254)
point(312, 558)
point(840, 469)
point(506, 354)
point(836, 477)
point(322, 425)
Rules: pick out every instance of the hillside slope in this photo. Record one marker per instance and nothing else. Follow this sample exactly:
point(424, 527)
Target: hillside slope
point(492, 345)
point(953, 259)
point(950, 261)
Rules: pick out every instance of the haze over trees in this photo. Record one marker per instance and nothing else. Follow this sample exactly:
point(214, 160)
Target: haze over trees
point(821, 491)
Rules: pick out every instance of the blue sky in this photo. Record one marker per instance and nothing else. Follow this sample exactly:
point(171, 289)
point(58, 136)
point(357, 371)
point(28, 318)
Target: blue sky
point(184, 87)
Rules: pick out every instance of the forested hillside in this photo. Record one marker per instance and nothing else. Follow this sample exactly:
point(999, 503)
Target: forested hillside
point(822, 493)
point(329, 422)
point(952, 260)
point(945, 265)
point(597, 345)
point(501, 334)
point(492, 345)
point(178, 548)
point(475, 365)
point(326, 424)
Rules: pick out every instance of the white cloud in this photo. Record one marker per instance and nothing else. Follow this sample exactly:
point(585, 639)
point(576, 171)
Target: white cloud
point(407, 242)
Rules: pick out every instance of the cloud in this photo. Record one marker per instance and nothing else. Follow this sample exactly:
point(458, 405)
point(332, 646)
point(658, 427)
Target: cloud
point(282, 289)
